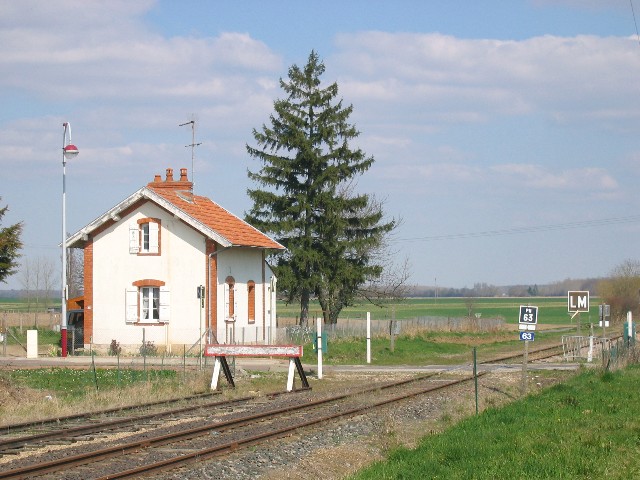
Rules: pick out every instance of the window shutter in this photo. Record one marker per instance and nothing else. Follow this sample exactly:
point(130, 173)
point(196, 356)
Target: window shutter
point(154, 243)
point(134, 238)
point(131, 301)
point(165, 308)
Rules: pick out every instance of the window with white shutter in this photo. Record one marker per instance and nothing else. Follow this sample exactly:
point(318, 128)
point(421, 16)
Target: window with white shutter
point(165, 300)
point(131, 302)
point(134, 238)
point(144, 237)
point(148, 303)
point(154, 238)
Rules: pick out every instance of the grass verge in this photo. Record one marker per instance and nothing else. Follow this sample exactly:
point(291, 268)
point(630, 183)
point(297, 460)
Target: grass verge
point(584, 428)
point(427, 348)
point(30, 394)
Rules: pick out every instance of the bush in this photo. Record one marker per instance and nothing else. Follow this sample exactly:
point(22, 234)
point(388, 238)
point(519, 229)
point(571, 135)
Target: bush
point(148, 349)
point(115, 349)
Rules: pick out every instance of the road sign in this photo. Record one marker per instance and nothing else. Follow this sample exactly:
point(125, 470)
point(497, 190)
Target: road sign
point(578, 301)
point(528, 317)
point(527, 336)
point(604, 313)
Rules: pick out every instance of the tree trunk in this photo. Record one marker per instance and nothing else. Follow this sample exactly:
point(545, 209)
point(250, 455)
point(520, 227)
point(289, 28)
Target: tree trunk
point(304, 307)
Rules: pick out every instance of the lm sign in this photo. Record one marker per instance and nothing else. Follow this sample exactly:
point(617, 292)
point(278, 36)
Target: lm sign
point(578, 301)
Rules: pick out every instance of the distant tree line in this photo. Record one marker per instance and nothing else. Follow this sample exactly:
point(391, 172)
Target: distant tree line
point(556, 289)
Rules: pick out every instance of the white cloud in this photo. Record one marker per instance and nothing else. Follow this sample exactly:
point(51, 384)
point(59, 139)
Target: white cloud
point(125, 60)
point(558, 76)
point(535, 176)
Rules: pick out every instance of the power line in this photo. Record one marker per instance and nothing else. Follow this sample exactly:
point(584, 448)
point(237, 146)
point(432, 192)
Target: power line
point(527, 229)
point(633, 12)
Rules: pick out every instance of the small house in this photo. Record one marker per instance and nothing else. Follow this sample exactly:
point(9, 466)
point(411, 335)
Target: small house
point(174, 269)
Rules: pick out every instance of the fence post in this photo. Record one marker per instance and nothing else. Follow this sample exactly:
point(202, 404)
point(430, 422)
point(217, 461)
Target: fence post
point(144, 353)
point(475, 374)
point(368, 337)
point(393, 328)
point(319, 346)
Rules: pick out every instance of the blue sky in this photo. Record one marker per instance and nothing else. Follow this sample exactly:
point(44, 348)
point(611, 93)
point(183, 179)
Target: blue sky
point(504, 133)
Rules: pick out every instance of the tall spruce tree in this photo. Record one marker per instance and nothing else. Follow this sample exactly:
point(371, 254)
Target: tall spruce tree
point(10, 246)
point(305, 196)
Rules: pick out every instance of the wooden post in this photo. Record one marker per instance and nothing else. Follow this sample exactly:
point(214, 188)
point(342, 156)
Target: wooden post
point(524, 368)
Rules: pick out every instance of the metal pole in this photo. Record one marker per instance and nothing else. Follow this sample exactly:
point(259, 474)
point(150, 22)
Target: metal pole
point(71, 151)
point(63, 307)
point(200, 302)
point(393, 328)
point(368, 337)
point(524, 367)
point(144, 352)
point(475, 374)
point(319, 340)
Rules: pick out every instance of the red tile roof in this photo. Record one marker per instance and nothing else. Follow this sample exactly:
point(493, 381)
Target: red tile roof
point(209, 213)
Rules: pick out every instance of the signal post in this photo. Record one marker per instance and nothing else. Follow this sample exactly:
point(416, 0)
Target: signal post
point(527, 322)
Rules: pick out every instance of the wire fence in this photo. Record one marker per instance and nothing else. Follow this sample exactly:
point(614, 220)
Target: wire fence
point(620, 353)
point(346, 328)
point(29, 319)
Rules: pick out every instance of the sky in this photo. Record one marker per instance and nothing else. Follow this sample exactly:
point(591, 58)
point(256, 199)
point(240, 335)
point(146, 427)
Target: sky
point(505, 133)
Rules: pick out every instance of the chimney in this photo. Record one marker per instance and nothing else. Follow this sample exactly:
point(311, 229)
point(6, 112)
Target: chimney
point(183, 184)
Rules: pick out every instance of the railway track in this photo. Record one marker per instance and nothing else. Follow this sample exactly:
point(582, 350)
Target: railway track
point(16, 428)
point(185, 441)
point(83, 427)
point(533, 355)
point(141, 442)
point(536, 354)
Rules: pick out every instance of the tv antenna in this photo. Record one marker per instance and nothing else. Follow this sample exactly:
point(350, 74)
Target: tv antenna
point(193, 144)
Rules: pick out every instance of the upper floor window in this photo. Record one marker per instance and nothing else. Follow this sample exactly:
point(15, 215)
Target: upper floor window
point(144, 237)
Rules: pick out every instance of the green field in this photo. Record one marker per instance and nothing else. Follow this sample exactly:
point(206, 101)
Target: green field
point(551, 310)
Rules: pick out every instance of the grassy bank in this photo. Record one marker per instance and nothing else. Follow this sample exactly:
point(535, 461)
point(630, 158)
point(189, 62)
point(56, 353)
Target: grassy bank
point(584, 428)
point(30, 394)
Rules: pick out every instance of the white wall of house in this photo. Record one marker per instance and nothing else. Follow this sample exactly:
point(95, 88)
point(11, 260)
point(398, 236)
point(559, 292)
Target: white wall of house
point(181, 265)
point(244, 265)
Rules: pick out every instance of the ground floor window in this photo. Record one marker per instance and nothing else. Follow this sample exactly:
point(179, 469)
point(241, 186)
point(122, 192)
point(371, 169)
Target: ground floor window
point(148, 301)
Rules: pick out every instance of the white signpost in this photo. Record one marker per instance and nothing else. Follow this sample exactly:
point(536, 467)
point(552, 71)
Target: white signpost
point(527, 321)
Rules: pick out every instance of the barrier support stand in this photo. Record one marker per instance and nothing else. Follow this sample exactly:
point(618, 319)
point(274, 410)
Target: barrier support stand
point(220, 353)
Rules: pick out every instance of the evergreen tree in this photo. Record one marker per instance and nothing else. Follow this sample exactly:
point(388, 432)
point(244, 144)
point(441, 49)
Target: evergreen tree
point(10, 244)
point(304, 196)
